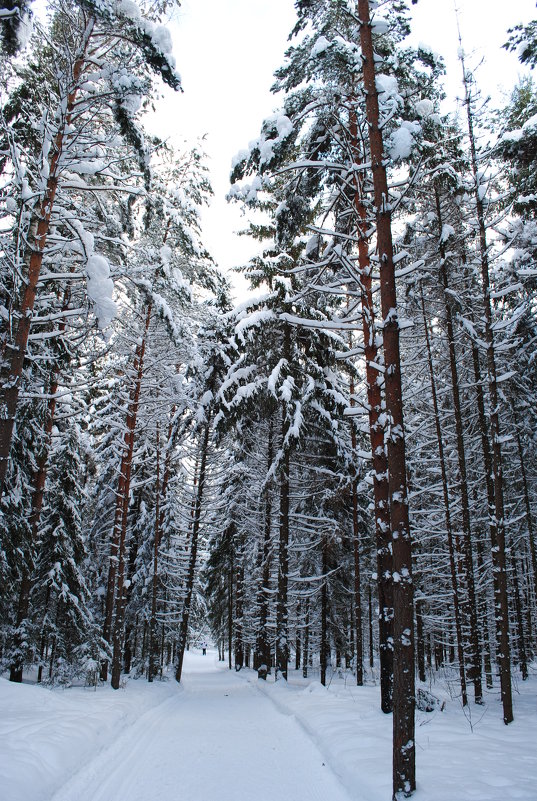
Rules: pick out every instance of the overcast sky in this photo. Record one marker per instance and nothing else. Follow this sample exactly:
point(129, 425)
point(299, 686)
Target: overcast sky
point(227, 50)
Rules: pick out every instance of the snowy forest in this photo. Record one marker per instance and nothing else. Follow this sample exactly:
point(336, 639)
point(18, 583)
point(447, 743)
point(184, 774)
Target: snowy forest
point(333, 476)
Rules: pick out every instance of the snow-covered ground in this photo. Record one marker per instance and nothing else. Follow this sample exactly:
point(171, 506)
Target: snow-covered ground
point(224, 736)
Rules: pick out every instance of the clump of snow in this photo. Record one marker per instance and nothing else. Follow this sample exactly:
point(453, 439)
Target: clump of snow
point(284, 128)
point(447, 231)
point(380, 26)
point(100, 289)
point(320, 46)
point(424, 108)
point(162, 39)
point(402, 141)
point(387, 86)
point(242, 155)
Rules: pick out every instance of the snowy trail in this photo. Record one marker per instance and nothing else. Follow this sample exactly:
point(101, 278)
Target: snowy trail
point(220, 738)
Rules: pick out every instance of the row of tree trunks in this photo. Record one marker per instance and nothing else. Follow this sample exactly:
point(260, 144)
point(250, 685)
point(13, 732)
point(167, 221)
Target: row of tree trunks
point(282, 612)
point(404, 776)
point(496, 512)
point(198, 505)
point(153, 649)
point(114, 595)
point(447, 514)
point(37, 241)
point(263, 656)
point(475, 659)
point(527, 505)
point(40, 476)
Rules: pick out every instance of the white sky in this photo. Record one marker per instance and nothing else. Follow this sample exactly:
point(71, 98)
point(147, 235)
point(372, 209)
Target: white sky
point(227, 51)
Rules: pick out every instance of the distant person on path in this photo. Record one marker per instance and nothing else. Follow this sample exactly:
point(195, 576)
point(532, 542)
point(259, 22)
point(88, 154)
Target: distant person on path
point(204, 649)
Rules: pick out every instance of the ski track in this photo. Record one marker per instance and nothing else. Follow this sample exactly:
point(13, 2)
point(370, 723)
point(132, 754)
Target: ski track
point(220, 738)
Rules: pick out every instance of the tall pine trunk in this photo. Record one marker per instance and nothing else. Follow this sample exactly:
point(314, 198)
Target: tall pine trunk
point(404, 773)
point(282, 611)
point(153, 646)
point(376, 433)
point(37, 241)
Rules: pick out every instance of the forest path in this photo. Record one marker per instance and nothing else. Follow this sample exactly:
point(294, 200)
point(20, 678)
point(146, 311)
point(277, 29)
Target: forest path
point(220, 739)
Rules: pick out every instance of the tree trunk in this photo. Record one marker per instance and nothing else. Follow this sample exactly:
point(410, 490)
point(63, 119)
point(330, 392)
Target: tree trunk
point(356, 556)
point(39, 231)
point(239, 592)
point(298, 642)
point(325, 641)
point(371, 644)
point(306, 655)
point(282, 612)
point(420, 642)
point(404, 773)
point(529, 516)
point(376, 432)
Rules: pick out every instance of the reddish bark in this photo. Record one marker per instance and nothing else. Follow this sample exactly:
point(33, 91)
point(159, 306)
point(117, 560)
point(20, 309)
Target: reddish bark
point(34, 258)
point(117, 544)
point(37, 502)
point(404, 780)
point(376, 433)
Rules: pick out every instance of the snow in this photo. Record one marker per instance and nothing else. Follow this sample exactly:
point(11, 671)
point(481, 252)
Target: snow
point(100, 289)
point(228, 735)
point(162, 39)
point(254, 319)
point(447, 232)
point(424, 108)
point(402, 141)
point(380, 26)
point(320, 46)
point(46, 736)
point(387, 86)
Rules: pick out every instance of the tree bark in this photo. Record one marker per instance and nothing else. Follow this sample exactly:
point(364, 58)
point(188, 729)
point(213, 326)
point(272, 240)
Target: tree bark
point(325, 641)
point(40, 476)
point(263, 656)
point(376, 432)
point(11, 383)
point(404, 773)
point(282, 612)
